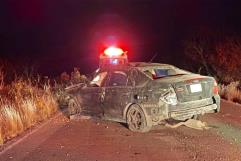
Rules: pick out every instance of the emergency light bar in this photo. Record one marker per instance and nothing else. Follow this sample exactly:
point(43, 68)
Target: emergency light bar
point(113, 56)
point(113, 52)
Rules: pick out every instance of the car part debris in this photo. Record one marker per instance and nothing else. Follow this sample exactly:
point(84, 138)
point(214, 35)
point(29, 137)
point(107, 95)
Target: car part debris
point(192, 123)
point(79, 117)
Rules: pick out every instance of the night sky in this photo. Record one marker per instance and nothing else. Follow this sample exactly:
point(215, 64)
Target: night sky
point(56, 35)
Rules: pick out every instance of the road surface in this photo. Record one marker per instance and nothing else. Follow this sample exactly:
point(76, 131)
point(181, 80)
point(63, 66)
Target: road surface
point(89, 140)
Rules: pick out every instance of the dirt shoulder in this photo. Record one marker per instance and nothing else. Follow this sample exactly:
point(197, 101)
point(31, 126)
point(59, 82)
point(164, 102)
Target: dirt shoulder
point(230, 113)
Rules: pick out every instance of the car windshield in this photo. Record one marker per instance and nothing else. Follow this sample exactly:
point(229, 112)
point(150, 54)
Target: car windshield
point(156, 72)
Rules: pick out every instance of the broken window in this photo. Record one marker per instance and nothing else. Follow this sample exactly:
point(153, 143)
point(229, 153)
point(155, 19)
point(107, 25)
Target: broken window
point(118, 78)
point(138, 77)
point(158, 72)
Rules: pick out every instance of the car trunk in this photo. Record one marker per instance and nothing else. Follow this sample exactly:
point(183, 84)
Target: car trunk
point(190, 87)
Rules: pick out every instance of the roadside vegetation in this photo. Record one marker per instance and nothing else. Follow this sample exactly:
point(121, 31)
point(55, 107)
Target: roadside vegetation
point(231, 92)
point(24, 101)
point(217, 55)
point(68, 80)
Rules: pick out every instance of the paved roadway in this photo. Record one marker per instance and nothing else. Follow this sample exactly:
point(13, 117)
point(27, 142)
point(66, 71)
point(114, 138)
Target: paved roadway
point(89, 140)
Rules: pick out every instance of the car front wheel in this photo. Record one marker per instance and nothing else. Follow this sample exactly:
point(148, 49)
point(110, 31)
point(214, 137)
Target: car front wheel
point(137, 120)
point(72, 107)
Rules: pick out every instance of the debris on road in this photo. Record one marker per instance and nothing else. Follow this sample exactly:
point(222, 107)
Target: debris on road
point(79, 117)
point(191, 123)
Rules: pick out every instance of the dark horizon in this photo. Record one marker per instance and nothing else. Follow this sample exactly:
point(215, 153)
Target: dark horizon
point(59, 35)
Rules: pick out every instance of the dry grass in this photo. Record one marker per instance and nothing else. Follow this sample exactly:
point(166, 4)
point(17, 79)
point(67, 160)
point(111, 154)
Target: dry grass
point(22, 104)
point(231, 92)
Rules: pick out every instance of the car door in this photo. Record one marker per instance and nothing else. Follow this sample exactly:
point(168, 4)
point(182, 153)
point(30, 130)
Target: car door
point(92, 94)
point(117, 95)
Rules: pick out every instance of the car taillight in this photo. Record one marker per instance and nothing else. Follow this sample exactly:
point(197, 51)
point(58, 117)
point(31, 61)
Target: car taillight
point(215, 88)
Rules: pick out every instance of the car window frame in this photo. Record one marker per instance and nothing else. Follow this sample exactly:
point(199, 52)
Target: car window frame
point(120, 71)
point(150, 69)
point(138, 72)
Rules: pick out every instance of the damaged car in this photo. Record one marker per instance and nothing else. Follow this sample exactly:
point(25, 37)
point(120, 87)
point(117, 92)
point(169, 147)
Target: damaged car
point(143, 95)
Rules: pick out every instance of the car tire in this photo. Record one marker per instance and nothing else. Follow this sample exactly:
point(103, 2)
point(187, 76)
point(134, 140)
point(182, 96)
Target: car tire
point(73, 107)
point(137, 121)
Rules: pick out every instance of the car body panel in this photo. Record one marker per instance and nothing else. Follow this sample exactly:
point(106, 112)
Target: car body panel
point(116, 99)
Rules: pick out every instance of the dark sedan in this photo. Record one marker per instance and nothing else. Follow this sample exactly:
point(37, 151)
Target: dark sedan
point(144, 94)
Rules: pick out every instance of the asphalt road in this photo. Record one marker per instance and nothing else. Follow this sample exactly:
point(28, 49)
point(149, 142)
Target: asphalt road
point(89, 140)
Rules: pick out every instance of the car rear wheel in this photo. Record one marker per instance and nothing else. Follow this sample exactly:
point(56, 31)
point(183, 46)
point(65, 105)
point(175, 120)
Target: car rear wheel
point(137, 120)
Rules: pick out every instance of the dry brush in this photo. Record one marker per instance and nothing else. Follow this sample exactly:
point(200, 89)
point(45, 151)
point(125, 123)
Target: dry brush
point(23, 103)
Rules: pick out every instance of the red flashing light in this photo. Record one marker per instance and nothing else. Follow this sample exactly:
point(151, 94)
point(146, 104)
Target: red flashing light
point(113, 52)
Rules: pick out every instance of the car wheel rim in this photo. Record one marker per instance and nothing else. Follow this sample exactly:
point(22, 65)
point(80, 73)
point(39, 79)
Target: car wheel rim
point(72, 107)
point(135, 119)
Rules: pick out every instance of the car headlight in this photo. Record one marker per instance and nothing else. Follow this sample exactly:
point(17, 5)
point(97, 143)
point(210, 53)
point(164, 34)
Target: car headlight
point(169, 97)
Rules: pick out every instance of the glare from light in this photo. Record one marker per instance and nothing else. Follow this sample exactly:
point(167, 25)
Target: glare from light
point(113, 52)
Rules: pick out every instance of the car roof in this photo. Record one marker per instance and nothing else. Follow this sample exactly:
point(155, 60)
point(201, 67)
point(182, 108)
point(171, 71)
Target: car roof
point(145, 64)
point(138, 65)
